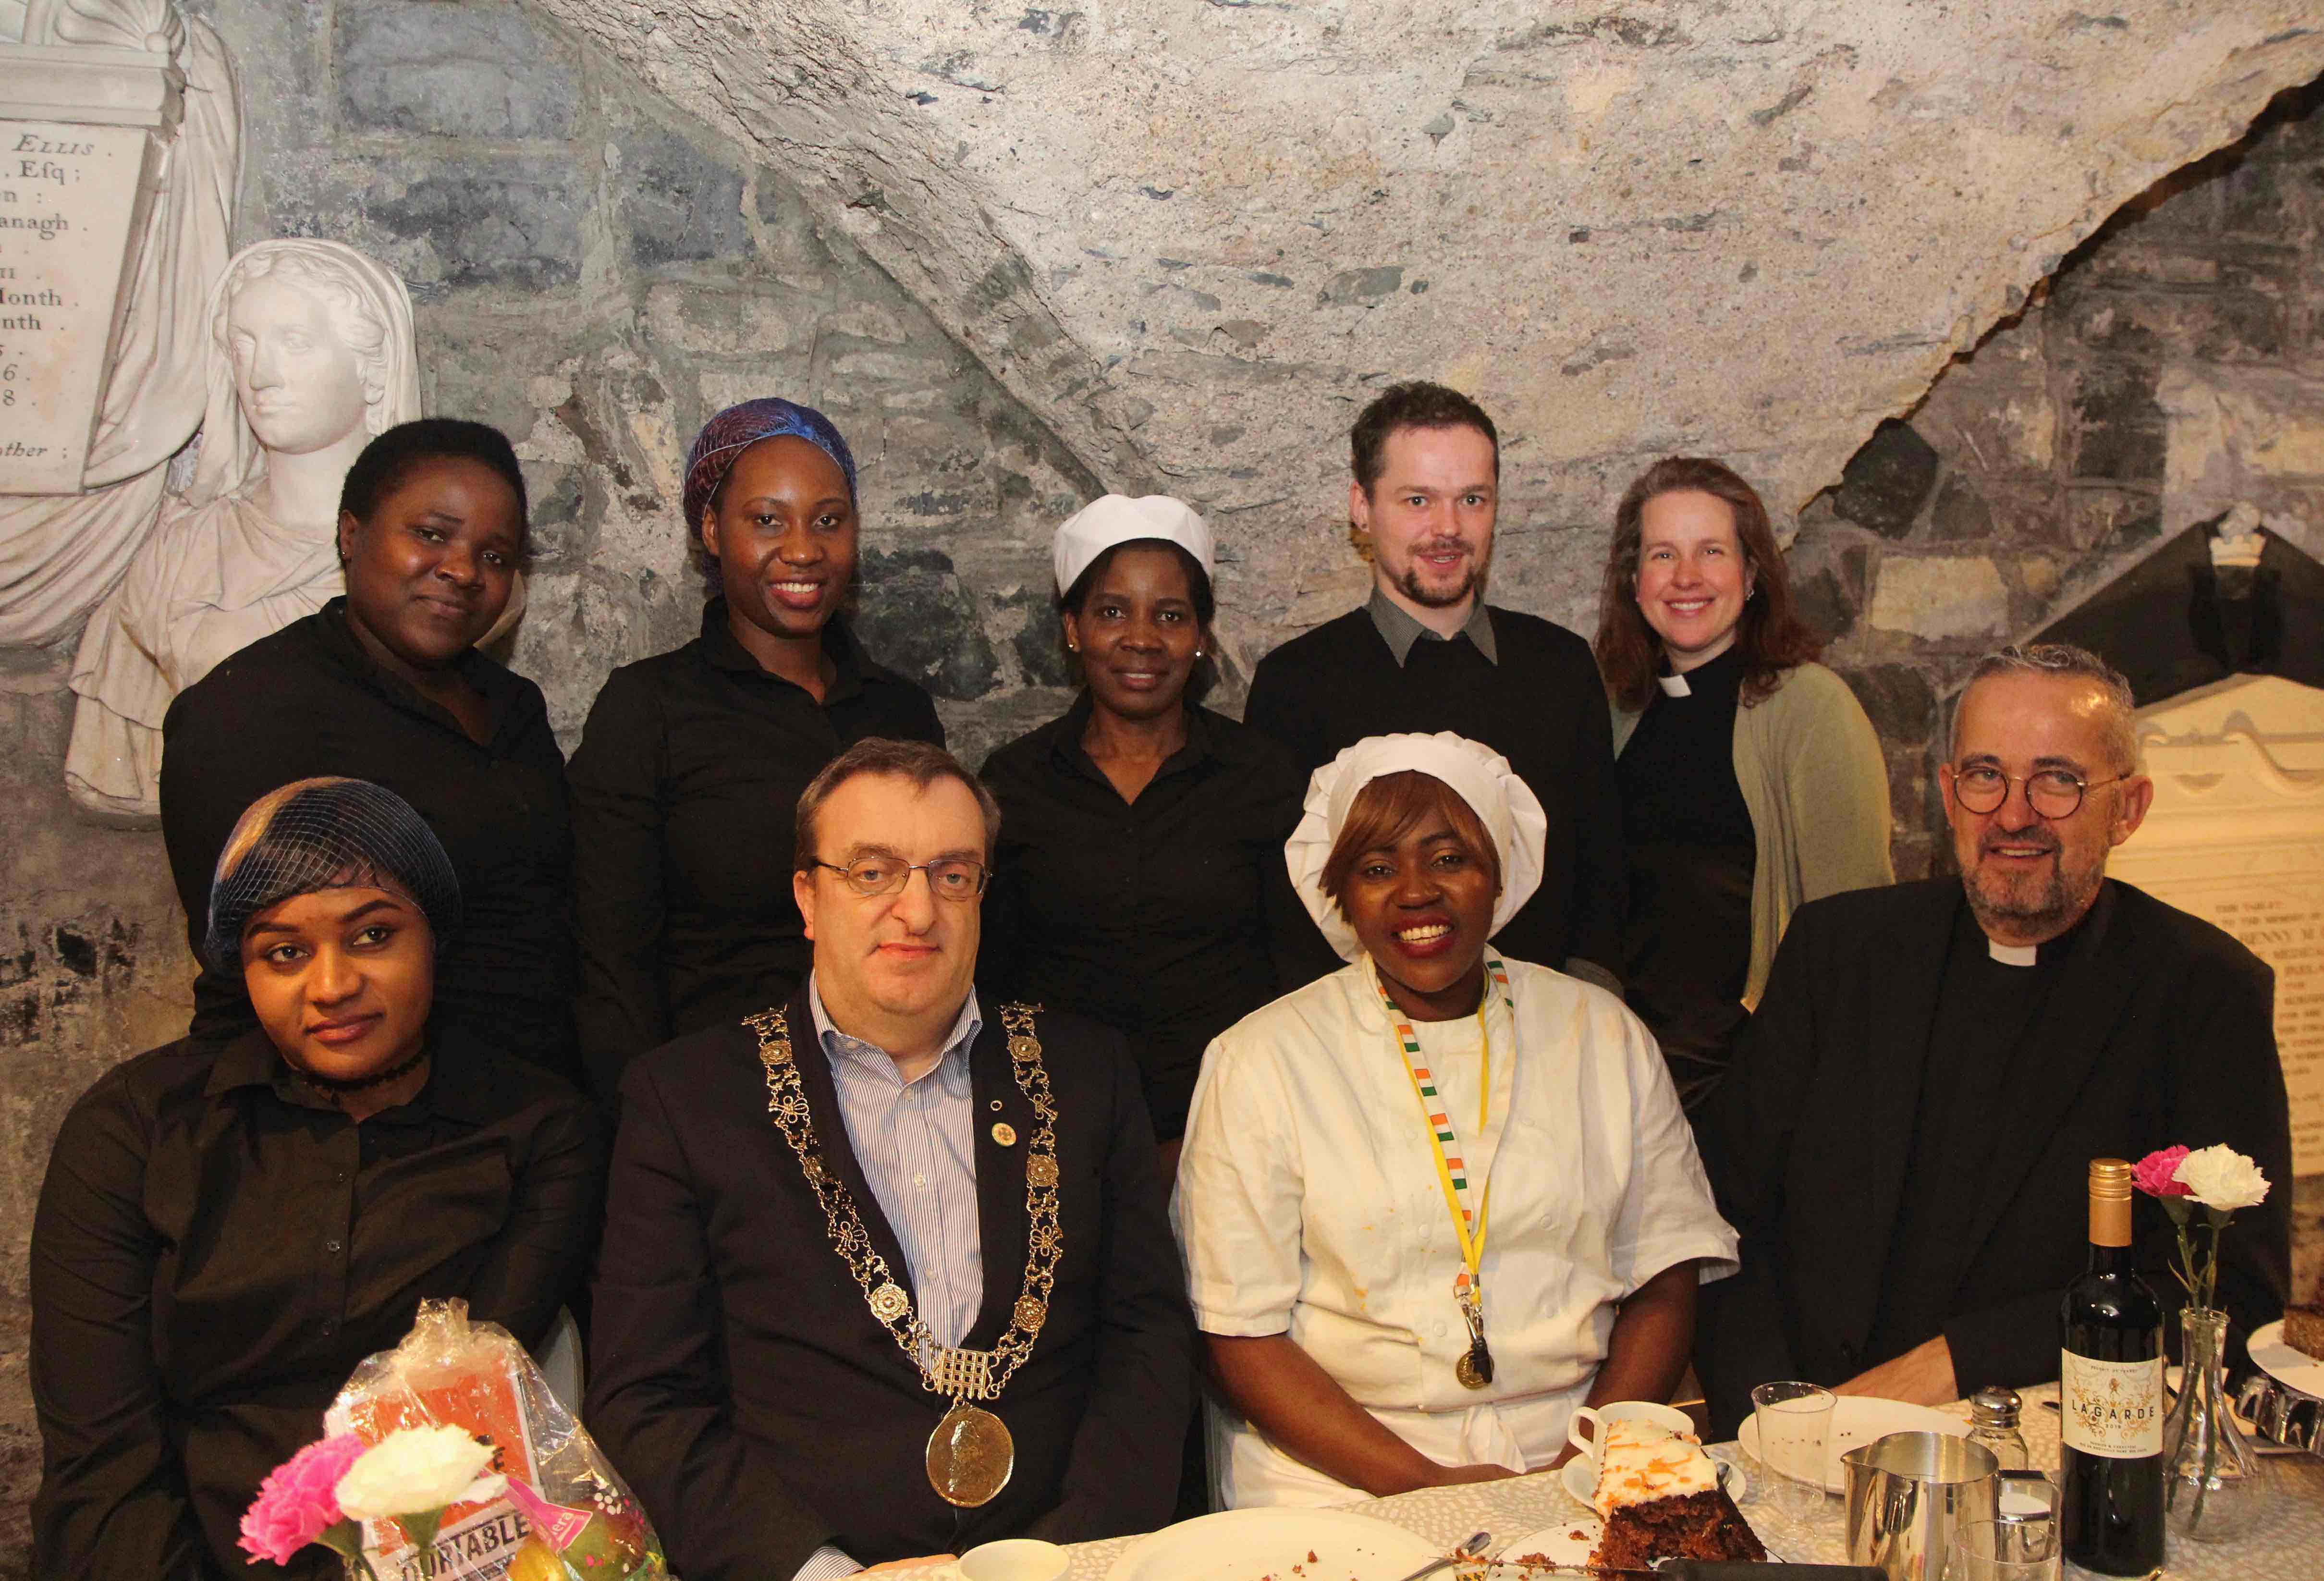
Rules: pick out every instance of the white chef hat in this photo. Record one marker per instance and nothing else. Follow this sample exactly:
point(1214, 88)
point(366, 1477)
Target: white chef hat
point(1481, 777)
point(1101, 523)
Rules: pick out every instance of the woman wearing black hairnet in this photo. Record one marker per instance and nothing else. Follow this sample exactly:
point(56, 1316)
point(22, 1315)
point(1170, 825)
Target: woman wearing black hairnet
point(226, 1229)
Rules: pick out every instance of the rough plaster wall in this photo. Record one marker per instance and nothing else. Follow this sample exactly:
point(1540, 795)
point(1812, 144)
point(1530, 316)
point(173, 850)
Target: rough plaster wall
point(1194, 235)
point(596, 270)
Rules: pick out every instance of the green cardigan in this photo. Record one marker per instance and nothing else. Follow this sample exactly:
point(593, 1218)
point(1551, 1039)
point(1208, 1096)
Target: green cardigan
point(1810, 766)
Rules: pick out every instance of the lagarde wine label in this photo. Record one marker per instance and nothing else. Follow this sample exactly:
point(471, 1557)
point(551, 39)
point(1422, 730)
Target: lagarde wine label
point(2111, 1409)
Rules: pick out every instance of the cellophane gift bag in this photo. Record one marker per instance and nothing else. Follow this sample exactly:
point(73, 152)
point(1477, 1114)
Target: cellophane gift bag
point(565, 1515)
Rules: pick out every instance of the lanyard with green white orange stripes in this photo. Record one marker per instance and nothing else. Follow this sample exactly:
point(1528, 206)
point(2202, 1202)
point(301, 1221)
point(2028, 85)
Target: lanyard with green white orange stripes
point(1475, 1368)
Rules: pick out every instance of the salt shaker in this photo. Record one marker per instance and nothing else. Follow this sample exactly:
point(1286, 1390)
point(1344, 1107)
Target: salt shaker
point(1993, 1422)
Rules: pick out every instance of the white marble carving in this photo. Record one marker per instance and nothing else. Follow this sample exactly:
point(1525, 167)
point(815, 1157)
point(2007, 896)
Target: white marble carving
point(120, 136)
point(2236, 837)
point(310, 356)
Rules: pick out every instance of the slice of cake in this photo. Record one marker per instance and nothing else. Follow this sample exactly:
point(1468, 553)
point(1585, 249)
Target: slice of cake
point(2303, 1330)
point(1660, 1496)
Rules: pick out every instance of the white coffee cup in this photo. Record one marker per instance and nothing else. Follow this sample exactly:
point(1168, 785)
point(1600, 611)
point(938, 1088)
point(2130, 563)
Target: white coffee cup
point(1670, 1417)
point(1015, 1558)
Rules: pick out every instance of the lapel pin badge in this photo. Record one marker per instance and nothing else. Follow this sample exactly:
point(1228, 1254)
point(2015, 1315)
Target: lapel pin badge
point(1004, 1133)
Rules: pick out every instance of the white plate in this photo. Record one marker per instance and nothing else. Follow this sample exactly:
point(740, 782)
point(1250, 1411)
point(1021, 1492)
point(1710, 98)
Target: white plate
point(1569, 1542)
point(1244, 1544)
point(1579, 1479)
point(2295, 1369)
point(1857, 1419)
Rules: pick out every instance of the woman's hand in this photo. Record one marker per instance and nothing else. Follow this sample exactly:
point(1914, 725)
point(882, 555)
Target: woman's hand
point(1446, 1475)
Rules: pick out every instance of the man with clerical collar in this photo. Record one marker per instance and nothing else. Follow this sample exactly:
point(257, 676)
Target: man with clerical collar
point(1905, 1134)
point(1428, 654)
point(888, 1269)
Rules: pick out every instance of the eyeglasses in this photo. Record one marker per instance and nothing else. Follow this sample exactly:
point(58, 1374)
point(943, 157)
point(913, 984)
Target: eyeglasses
point(2051, 792)
point(950, 878)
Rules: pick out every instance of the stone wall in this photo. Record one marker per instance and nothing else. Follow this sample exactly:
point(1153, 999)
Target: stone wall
point(596, 273)
point(2171, 368)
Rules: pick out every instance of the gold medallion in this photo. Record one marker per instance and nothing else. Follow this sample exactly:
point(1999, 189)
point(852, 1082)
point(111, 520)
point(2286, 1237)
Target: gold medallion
point(889, 1302)
point(1004, 1133)
point(970, 1457)
point(1475, 1367)
point(1042, 1169)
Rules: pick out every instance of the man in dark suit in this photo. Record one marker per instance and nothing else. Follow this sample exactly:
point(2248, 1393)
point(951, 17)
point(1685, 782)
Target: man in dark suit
point(1905, 1138)
point(1427, 654)
point(886, 1165)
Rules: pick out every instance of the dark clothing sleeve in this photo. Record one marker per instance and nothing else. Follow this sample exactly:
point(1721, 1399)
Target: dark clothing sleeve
point(1121, 1473)
point(113, 1501)
point(620, 903)
point(1601, 864)
point(658, 1393)
point(537, 1263)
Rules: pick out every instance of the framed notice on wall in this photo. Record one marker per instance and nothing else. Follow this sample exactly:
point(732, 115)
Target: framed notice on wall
point(82, 136)
point(2236, 837)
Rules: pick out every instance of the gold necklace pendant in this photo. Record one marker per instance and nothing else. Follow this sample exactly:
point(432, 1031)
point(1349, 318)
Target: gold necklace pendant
point(971, 1457)
point(1475, 1367)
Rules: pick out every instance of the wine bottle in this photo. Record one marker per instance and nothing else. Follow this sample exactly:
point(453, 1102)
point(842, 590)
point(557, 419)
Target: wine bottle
point(2110, 1397)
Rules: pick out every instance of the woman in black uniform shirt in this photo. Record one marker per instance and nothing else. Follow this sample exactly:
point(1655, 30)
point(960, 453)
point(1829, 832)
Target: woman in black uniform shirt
point(1140, 877)
point(226, 1229)
point(686, 777)
point(386, 684)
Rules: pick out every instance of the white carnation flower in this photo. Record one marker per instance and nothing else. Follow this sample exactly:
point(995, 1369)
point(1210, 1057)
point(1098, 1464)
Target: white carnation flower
point(418, 1469)
point(2222, 1177)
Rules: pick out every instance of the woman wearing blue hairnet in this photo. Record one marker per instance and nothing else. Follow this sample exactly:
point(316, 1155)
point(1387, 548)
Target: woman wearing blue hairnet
point(686, 777)
point(227, 1228)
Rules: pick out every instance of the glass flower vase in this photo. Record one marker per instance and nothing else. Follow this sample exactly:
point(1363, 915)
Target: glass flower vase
point(2214, 1487)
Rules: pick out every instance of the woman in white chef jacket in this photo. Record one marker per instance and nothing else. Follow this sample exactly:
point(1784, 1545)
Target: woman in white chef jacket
point(1434, 1202)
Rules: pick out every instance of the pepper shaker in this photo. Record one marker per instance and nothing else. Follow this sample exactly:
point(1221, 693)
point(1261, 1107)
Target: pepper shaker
point(1993, 1412)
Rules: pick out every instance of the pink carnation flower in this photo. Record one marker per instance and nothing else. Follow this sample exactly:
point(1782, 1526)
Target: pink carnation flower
point(2156, 1174)
point(299, 1500)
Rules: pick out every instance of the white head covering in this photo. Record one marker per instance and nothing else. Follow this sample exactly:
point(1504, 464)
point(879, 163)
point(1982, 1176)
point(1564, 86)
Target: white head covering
point(1481, 777)
point(1101, 523)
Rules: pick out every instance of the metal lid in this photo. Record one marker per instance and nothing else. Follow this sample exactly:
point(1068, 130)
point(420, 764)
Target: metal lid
point(1994, 1406)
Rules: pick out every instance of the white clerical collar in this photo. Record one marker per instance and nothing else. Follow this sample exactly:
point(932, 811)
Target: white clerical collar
point(1674, 686)
point(2013, 955)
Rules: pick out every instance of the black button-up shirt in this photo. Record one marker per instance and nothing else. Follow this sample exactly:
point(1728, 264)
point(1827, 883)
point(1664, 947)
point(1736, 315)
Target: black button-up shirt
point(215, 1249)
point(1169, 918)
point(309, 701)
point(684, 789)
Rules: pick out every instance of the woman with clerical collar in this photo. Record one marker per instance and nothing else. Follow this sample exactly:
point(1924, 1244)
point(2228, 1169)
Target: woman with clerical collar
point(1138, 877)
point(1751, 780)
point(1363, 1343)
point(227, 1229)
point(387, 683)
point(692, 761)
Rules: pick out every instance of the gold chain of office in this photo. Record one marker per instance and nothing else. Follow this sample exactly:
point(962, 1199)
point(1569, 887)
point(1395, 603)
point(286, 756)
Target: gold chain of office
point(951, 1371)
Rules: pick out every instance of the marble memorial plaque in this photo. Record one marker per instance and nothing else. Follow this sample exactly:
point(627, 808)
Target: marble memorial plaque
point(2236, 837)
point(68, 195)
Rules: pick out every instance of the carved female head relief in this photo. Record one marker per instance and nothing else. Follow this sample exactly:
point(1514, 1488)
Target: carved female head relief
point(311, 349)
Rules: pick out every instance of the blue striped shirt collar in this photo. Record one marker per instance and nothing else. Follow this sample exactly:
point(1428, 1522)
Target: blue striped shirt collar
point(838, 1045)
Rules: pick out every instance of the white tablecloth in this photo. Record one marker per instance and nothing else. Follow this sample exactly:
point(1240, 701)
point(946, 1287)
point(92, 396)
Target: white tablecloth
point(2288, 1546)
